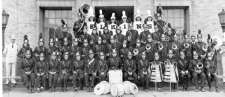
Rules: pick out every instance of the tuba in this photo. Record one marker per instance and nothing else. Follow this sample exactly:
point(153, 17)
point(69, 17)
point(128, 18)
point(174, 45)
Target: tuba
point(83, 10)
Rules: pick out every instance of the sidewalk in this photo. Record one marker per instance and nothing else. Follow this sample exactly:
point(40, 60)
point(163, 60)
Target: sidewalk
point(22, 92)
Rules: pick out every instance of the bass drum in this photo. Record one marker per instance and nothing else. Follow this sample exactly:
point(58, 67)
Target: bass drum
point(134, 88)
point(117, 90)
point(115, 76)
point(99, 89)
point(126, 85)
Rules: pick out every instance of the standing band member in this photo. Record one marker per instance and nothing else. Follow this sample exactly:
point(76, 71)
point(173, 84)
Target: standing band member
point(101, 24)
point(113, 25)
point(65, 70)
point(129, 68)
point(149, 21)
point(143, 74)
point(138, 25)
point(124, 25)
point(102, 67)
point(26, 45)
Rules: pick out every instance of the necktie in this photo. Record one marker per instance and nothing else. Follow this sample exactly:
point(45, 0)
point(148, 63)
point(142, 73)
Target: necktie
point(12, 45)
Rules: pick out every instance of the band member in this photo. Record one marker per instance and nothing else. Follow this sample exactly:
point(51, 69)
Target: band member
point(53, 70)
point(26, 45)
point(137, 49)
point(170, 33)
point(75, 47)
point(85, 35)
point(94, 36)
point(124, 50)
point(91, 21)
point(129, 68)
point(106, 35)
point(131, 36)
point(102, 67)
point(90, 70)
point(51, 47)
point(183, 70)
point(196, 68)
point(149, 21)
point(143, 74)
point(40, 71)
point(66, 46)
point(40, 47)
point(171, 70)
point(101, 24)
point(78, 72)
point(27, 67)
point(193, 43)
point(113, 25)
point(85, 48)
point(156, 35)
point(155, 70)
point(144, 34)
point(163, 47)
point(65, 70)
point(114, 60)
point(124, 25)
point(186, 46)
point(119, 37)
point(138, 23)
point(211, 71)
point(99, 46)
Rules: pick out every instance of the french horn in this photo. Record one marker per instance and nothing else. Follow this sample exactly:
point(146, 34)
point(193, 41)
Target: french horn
point(136, 51)
point(84, 9)
point(160, 46)
point(148, 47)
point(174, 46)
point(186, 45)
point(199, 68)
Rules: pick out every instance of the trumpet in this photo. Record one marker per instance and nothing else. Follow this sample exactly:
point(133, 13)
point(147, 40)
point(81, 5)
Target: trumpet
point(136, 51)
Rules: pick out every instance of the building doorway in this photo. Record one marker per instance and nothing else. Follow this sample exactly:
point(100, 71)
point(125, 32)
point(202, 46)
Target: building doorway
point(108, 10)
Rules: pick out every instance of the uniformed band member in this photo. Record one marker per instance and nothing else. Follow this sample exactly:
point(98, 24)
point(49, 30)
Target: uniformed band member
point(147, 53)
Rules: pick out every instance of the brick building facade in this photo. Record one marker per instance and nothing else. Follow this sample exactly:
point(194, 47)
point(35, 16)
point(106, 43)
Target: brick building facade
point(34, 16)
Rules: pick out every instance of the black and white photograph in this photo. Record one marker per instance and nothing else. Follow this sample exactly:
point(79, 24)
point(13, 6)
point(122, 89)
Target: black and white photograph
point(112, 48)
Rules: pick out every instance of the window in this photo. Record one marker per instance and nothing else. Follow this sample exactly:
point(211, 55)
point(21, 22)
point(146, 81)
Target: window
point(52, 19)
point(177, 17)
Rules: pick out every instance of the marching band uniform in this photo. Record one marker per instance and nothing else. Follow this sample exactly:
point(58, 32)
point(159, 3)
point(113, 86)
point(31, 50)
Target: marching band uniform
point(129, 69)
point(114, 60)
point(211, 70)
point(90, 70)
point(64, 70)
point(124, 50)
point(53, 70)
point(163, 47)
point(150, 22)
point(99, 46)
point(101, 24)
point(106, 35)
point(85, 48)
point(124, 25)
point(66, 46)
point(26, 45)
point(155, 70)
point(138, 23)
point(91, 21)
point(143, 74)
point(131, 36)
point(27, 67)
point(40, 47)
point(40, 71)
point(183, 70)
point(171, 70)
point(112, 26)
point(196, 67)
point(75, 47)
point(156, 35)
point(102, 67)
point(144, 34)
point(77, 69)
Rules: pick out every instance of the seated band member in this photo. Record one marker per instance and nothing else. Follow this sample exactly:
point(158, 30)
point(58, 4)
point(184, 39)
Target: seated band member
point(40, 71)
point(90, 71)
point(129, 68)
point(102, 67)
point(143, 74)
point(77, 70)
point(196, 68)
point(114, 60)
point(27, 67)
point(183, 70)
point(53, 71)
point(211, 71)
point(155, 71)
point(64, 70)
